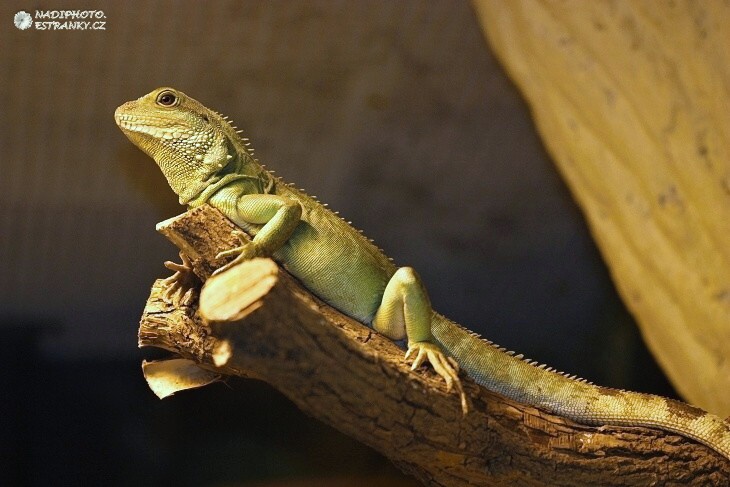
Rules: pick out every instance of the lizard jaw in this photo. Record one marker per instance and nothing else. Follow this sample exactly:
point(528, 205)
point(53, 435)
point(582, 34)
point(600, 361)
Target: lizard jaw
point(156, 127)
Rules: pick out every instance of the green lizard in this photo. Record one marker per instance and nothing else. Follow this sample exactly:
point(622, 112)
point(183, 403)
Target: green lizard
point(205, 161)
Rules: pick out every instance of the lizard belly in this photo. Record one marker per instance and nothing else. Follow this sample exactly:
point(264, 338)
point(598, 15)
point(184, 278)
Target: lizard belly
point(335, 267)
point(329, 257)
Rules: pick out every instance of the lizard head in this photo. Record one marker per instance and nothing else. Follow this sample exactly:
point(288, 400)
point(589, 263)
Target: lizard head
point(194, 146)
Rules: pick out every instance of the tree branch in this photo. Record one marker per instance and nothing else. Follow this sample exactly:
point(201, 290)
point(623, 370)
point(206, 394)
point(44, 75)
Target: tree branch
point(262, 323)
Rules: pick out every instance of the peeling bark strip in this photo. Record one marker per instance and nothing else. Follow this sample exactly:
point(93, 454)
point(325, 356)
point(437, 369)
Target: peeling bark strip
point(348, 376)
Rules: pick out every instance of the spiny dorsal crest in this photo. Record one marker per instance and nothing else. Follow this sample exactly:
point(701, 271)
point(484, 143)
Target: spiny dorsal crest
point(246, 141)
point(533, 363)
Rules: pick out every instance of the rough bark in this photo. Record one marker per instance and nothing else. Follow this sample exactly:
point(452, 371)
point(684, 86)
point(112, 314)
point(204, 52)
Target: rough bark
point(261, 322)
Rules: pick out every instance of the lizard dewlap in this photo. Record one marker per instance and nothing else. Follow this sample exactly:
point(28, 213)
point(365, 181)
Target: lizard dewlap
point(205, 161)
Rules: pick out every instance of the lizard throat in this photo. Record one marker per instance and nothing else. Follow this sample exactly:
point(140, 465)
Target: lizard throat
point(237, 170)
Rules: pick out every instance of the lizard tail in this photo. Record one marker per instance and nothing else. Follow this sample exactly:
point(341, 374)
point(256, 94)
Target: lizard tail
point(528, 382)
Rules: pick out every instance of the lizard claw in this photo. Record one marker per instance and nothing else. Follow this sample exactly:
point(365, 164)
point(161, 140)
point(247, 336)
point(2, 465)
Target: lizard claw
point(179, 288)
point(444, 366)
point(244, 251)
point(243, 241)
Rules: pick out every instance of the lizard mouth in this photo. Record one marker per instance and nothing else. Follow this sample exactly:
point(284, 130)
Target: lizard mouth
point(130, 123)
point(121, 116)
point(154, 127)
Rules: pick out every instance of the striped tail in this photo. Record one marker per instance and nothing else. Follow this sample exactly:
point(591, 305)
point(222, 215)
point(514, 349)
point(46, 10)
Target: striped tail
point(512, 376)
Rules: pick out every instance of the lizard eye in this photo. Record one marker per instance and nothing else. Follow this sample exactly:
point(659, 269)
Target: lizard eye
point(166, 99)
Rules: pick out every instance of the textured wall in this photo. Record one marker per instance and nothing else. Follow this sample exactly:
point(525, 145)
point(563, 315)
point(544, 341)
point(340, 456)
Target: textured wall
point(632, 103)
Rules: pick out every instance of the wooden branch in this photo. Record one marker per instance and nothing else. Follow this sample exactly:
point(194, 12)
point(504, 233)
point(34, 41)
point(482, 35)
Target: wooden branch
point(262, 323)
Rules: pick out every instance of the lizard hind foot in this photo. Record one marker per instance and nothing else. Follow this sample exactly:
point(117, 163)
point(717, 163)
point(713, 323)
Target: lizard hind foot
point(179, 288)
point(444, 366)
point(246, 250)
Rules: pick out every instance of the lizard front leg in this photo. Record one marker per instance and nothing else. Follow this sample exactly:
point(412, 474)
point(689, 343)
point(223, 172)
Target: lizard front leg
point(278, 215)
point(405, 312)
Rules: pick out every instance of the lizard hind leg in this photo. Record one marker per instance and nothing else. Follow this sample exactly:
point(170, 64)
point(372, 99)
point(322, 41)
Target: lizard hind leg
point(405, 312)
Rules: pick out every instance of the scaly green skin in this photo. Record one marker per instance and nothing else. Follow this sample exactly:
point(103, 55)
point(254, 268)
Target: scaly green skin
point(205, 161)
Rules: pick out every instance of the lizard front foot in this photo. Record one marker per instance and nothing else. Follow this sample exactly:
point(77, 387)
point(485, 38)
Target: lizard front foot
point(245, 251)
point(179, 288)
point(444, 366)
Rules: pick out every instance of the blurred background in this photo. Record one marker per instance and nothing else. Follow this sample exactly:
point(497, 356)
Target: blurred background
point(395, 113)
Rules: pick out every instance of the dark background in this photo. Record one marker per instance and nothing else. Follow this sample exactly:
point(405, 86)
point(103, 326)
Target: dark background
point(395, 113)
